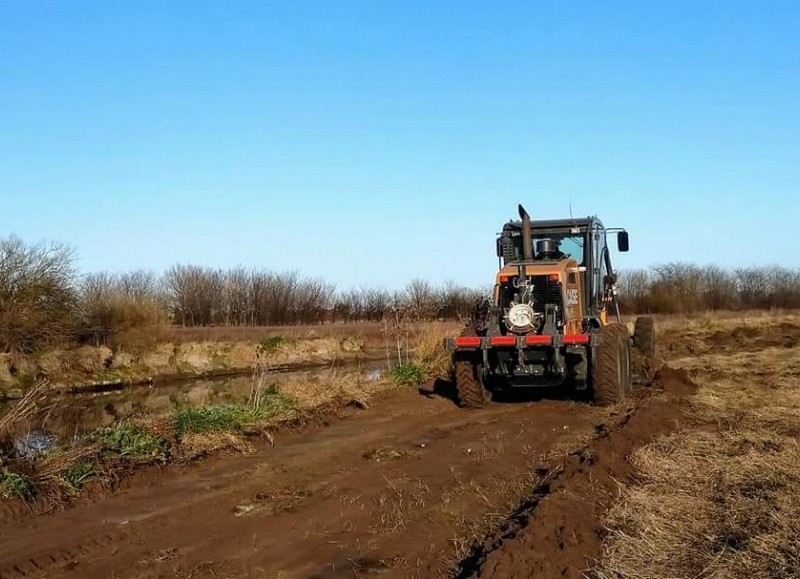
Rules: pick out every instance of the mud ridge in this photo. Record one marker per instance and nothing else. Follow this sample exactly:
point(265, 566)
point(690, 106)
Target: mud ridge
point(556, 530)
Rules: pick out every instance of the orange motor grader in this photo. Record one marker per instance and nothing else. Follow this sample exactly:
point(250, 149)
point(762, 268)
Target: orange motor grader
point(553, 319)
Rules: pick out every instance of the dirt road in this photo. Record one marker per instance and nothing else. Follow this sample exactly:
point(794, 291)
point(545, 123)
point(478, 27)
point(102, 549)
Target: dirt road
point(411, 486)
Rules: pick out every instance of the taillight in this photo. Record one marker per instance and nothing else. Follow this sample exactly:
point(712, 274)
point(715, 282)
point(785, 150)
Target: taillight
point(504, 341)
point(576, 339)
point(468, 341)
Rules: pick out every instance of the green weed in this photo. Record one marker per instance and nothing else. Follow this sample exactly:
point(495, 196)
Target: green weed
point(77, 474)
point(226, 417)
point(14, 485)
point(407, 374)
point(133, 442)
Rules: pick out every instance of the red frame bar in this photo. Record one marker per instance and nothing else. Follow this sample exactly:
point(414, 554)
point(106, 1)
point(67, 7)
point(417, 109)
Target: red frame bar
point(576, 339)
point(539, 340)
point(468, 341)
point(504, 341)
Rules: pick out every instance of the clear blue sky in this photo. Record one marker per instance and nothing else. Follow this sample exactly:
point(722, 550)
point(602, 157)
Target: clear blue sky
point(371, 142)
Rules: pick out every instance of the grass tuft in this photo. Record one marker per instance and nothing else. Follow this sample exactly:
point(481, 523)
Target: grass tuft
point(131, 441)
point(408, 374)
point(270, 405)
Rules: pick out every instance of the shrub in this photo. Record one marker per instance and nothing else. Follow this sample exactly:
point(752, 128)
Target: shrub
point(116, 309)
point(37, 295)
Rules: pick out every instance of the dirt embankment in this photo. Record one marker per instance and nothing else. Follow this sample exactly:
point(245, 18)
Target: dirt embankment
point(89, 365)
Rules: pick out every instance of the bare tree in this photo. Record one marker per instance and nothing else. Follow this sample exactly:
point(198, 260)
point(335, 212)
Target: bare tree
point(196, 294)
point(420, 298)
point(236, 294)
point(37, 294)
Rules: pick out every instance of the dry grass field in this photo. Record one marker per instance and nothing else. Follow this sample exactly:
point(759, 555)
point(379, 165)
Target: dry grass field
point(719, 497)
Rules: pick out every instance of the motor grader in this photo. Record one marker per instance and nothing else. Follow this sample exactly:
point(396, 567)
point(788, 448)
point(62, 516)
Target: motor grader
point(553, 319)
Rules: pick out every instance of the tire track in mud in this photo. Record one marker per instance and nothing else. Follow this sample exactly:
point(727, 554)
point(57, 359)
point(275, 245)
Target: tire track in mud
point(359, 510)
point(556, 530)
point(41, 563)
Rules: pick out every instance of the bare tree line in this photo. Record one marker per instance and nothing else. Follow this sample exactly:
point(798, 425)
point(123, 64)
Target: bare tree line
point(240, 297)
point(44, 300)
point(676, 288)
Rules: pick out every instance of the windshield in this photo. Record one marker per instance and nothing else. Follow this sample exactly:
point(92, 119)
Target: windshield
point(570, 244)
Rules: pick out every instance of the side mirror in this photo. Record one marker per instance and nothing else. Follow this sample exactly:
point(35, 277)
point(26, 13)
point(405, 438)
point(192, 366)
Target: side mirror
point(499, 247)
point(622, 241)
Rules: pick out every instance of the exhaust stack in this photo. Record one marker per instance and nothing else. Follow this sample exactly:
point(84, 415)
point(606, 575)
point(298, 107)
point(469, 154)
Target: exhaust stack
point(527, 248)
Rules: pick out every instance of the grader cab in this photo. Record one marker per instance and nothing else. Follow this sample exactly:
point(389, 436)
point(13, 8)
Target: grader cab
point(553, 319)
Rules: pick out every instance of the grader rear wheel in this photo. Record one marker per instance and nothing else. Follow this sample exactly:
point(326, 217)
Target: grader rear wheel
point(469, 389)
point(611, 372)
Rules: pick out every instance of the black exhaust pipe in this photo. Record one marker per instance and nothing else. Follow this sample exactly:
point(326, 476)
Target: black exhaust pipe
point(527, 246)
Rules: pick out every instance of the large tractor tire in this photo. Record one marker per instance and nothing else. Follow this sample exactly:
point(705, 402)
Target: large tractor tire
point(469, 388)
point(611, 372)
point(644, 337)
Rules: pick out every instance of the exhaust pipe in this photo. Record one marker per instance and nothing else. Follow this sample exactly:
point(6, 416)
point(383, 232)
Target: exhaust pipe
point(527, 247)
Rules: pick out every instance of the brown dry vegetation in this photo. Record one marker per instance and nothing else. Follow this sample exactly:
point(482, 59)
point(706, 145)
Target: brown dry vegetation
point(719, 499)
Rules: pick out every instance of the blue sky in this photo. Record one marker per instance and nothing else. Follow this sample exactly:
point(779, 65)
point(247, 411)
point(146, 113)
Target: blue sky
point(371, 142)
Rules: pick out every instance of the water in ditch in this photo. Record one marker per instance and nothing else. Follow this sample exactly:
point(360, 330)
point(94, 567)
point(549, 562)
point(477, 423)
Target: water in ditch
point(68, 416)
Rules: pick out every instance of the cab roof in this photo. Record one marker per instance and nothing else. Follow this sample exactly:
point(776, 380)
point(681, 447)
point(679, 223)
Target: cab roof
point(581, 222)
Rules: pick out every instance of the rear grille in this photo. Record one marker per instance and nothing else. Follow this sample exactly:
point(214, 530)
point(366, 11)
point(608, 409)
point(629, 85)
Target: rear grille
point(546, 291)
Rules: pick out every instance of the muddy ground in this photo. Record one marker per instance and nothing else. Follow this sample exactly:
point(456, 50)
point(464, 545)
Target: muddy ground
point(411, 486)
point(401, 488)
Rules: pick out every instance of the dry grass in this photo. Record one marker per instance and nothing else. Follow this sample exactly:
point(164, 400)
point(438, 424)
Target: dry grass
point(721, 499)
point(273, 502)
point(399, 504)
point(19, 417)
point(347, 386)
point(429, 348)
point(194, 446)
point(725, 320)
